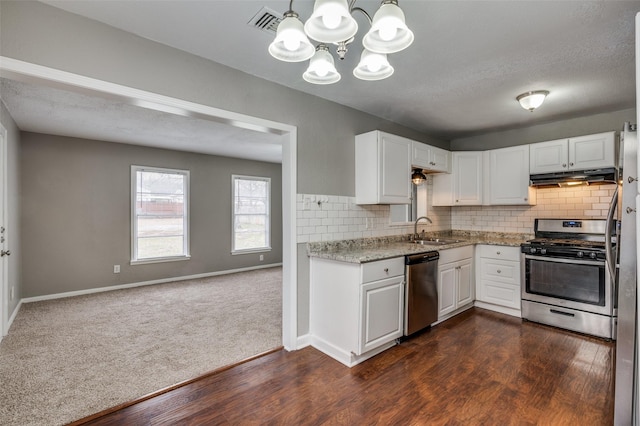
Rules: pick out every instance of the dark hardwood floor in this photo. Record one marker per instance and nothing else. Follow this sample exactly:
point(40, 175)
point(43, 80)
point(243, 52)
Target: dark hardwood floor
point(479, 368)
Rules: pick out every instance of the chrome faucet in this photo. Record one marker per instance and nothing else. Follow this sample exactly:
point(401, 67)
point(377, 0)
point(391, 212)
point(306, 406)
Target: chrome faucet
point(415, 226)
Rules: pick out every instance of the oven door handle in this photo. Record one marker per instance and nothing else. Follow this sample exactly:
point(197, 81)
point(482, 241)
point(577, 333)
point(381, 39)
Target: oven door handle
point(610, 254)
point(559, 260)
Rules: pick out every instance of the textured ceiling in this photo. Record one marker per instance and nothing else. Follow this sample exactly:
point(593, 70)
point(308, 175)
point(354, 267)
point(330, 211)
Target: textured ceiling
point(40, 109)
point(460, 77)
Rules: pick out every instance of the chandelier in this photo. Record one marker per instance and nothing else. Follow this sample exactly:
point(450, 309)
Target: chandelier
point(332, 23)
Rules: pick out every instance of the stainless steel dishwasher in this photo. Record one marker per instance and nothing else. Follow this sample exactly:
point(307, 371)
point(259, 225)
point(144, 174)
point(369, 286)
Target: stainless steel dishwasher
point(421, 295)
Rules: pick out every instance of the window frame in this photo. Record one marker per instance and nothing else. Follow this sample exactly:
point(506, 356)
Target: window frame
point(185, 214)
point(267, 247)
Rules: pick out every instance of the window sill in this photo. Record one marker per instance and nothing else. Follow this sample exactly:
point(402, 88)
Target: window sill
point(159, 260)
point(250, 251)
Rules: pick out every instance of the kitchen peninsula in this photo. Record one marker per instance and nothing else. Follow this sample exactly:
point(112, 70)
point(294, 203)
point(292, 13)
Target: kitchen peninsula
point(357, 286)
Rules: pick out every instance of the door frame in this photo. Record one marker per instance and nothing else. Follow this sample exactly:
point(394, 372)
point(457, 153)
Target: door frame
point(33, 73)
point(4, 279)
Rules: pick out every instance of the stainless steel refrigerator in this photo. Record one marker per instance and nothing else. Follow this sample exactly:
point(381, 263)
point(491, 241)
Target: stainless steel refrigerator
point(627, 396)
point(625, 271)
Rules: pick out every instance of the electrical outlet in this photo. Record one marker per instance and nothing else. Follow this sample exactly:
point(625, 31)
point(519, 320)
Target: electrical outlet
point(261, 257)
point(116, 269)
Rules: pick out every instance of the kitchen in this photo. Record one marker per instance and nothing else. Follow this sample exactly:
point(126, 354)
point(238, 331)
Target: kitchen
point(327, 172)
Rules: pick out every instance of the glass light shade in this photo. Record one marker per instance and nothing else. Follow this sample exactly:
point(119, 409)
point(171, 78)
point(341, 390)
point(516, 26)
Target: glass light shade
point(373, 66)
point(322, 69)
point(388, 33)
point(417, 177)
point(291, 43)
point(331, 22)
point(532, 100)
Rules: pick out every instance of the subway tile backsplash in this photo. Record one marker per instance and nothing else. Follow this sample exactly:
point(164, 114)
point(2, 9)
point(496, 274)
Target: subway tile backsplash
point(328, 217)
point(580, 202)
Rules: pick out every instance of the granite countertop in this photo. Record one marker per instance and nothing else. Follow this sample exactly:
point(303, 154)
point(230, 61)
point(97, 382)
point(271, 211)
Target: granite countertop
point(371, 249)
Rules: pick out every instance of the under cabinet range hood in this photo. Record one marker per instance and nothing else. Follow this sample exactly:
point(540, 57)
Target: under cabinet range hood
point(590, 177)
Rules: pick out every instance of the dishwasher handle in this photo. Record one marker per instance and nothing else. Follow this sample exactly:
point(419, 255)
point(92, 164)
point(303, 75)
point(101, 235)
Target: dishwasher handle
point(422, 258)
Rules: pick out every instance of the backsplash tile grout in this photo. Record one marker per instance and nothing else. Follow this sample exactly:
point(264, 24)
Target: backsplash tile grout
point(330, 217)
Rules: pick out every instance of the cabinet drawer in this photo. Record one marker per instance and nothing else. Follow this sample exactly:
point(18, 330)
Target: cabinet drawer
point(499, 252)
point(500, 294)
point(455, 254)
point(500, 270)
point(382, 269)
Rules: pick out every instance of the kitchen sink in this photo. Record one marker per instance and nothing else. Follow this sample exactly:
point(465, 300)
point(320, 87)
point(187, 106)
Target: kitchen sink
point(436, 241)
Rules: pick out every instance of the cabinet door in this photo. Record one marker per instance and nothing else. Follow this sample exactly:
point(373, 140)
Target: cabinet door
point(395, 176)
point(509, 176)
point(446, 289)
point(467, 170)
point(442, 192)
point(464, 281)
point(549, 157)
point(420, 155)
point(501, 294)
point(381, 316)
point(592, 151)
point(440, 160)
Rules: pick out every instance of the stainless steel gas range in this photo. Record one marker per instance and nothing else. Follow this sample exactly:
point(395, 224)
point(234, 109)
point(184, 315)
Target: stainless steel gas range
point(566, 281)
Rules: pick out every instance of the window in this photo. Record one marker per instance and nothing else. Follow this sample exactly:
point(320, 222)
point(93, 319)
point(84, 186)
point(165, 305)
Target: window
point(159, 223)
point(251, 211)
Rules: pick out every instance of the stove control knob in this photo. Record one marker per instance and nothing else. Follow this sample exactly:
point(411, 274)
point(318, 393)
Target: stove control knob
point(532, 250)
point(593, 255)
point(580, 254)
point(543, 251)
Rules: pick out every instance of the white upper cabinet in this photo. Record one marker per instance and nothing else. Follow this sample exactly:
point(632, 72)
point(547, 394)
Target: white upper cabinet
point(429, 157)
point(383, 169)
point(579, 153)
point(463, 187)
point(592, 151)
point(508, 177)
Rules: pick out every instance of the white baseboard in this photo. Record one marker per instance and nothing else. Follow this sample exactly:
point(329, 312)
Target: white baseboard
point(347, 358)
point(143, 283)
point(11, 318)
point(496, 308)
point(303, 341)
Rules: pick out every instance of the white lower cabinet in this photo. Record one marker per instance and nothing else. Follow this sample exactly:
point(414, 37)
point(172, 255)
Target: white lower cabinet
point(498, 279)
point(356, 310)
point(455, 281)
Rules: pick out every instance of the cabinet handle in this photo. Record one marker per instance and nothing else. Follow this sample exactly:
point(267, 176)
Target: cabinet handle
point(525, 199)
point(571, 164)
point(564, 165)
point(498, 253)
point(499, 271)
point(386, 270)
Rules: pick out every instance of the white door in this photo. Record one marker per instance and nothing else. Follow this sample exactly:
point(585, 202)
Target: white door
point(4, 296)
point(446, 289)
point(382, 313)
point(592, 151)
point(549, 157)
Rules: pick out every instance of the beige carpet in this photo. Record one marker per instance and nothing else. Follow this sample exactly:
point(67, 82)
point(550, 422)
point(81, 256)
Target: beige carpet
point(68, 358)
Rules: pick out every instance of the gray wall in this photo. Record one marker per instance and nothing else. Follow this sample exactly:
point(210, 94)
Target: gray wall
point(76, 213)
point(40, 34)
point(37, 33)
point(596, 123)
point(12, 223)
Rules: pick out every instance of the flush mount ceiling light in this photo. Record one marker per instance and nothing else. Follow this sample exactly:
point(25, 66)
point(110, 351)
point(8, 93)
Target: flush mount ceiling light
point(532, 100)
point(332, 22)
point(417, 177)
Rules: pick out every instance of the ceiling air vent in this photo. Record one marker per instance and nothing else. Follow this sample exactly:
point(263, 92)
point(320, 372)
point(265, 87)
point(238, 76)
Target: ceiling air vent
point(266, 20)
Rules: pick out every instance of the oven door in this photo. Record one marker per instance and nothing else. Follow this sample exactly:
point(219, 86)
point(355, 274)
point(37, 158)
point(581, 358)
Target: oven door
point(570, 283)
